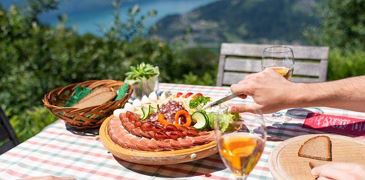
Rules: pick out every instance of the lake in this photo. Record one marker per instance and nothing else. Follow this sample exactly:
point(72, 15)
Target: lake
point(85, 16)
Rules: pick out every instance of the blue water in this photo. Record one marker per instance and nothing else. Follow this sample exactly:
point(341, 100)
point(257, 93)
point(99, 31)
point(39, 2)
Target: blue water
point(87, 16)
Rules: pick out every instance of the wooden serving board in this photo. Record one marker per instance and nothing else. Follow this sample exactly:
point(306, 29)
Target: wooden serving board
point(155, 158)
point(286, 164)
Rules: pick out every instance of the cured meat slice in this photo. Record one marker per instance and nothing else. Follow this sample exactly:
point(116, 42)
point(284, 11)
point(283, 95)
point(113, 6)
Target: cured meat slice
point(175, 144)
point(185, 142)
point(124, 138)
point(152, 144)
point(164, 144)
point(142, 144)
point(137, 132)
point(149, 130)
point(131, 141)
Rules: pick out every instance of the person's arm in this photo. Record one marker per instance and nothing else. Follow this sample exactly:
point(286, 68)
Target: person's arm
point(346, 94)
point(272, 92)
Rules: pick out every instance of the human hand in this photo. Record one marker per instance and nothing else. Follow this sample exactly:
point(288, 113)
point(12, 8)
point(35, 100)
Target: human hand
point(339, 171)
point(270, 91)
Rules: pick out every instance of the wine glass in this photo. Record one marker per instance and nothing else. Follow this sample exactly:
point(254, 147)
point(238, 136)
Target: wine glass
point(281, 60)
point(240, 142)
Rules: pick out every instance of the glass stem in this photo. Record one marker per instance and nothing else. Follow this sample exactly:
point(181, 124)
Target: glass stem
point(241, 177)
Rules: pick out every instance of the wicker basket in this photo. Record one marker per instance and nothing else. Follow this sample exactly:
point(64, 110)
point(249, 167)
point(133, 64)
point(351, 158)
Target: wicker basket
point(83, 118)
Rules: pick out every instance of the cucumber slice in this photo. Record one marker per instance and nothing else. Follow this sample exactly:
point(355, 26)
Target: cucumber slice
point(151, 109)
point(145, 112)
point(201, 120)
point(211, 118)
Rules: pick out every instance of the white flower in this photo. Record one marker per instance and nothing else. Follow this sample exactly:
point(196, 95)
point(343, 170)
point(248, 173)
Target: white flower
point(145, 100)
point(117, 112)
point(128, 107)
point(137, 103)
point(153, 96)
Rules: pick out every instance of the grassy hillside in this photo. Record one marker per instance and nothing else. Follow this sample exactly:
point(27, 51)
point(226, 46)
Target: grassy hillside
point(241, 20)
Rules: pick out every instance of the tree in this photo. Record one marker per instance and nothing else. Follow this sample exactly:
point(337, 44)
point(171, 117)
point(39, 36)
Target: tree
point(343, 29)
point(343, 24)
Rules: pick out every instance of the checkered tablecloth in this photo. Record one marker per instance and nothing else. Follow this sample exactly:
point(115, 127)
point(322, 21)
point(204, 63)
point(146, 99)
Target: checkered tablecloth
point(56, 151)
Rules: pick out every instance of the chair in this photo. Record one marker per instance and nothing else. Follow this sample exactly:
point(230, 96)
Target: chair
point(8, 138)
point(238, 60)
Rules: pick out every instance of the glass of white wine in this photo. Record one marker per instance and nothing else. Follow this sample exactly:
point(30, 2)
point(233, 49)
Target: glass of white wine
point(241, 142)
point(281, 60)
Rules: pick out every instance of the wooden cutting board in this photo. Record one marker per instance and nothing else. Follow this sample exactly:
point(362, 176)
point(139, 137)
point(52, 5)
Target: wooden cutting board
point(155, 158)
point(286, 164)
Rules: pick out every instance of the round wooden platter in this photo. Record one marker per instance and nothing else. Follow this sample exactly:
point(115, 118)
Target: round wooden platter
point(155, 158)
point(286, 164)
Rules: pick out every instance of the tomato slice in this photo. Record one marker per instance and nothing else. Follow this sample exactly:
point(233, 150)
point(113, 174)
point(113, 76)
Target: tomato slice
point(197, 95)
point(179, 94)
point(188, 94)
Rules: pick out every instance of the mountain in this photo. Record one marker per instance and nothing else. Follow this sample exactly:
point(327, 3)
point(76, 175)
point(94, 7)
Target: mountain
point(255, 21)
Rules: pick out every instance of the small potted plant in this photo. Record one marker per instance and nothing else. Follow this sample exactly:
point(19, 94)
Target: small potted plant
point(143, 78)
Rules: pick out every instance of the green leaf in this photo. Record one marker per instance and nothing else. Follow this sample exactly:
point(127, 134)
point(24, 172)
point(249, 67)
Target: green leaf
point(199, 100)
point(122, 91)
point(141, 71)
point(79, 93)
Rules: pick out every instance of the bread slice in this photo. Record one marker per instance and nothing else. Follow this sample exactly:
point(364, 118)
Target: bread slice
point(318, 147)
point(95, 92)
point(97, 97)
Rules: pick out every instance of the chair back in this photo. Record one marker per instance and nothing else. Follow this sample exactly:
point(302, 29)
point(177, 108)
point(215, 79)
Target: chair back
point(8, 138)
point(238, 60)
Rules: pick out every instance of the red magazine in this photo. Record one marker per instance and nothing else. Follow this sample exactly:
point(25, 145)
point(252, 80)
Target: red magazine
point(335, 124)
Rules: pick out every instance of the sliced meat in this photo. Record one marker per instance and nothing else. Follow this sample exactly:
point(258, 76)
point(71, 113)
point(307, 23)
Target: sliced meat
point(175, 144)
point(152, 144)
point(142, 144)
point(185, 142)
point(137, 132)
point(153, 130)
point(164, 144)
point(124, 138)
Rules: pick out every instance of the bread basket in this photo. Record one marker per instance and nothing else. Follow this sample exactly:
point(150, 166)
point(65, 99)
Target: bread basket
point(83, 118)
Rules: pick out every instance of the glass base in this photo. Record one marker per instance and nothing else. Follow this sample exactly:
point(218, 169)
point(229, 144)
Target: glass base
point(240, 177)
point(302, 113)
point(277, 114)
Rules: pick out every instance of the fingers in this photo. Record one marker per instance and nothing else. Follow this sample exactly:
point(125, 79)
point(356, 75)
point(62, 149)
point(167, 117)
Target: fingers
point(329, 171)
point(342, 166)
point(244, 86)
point(253, 108)
point(240, 89)
point(242, 96)
point(270, 71)
point(323, 178)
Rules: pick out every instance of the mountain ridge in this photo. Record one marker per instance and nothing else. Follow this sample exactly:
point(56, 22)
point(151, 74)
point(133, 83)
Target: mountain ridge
point(259, 21)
